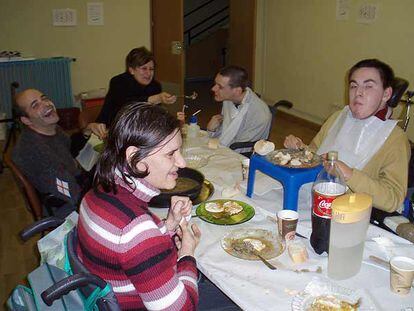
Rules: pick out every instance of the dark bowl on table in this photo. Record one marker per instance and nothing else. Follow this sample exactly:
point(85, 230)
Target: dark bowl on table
point(192, 191)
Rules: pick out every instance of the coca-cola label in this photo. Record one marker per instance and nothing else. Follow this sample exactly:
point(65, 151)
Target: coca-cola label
point(322, 205)
point(323, 195)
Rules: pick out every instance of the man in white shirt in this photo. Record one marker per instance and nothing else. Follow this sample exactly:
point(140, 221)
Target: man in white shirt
point(244, 116)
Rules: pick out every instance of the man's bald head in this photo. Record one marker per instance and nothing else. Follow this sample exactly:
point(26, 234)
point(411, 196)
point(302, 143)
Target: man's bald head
point(37, 111)
point(22, 100)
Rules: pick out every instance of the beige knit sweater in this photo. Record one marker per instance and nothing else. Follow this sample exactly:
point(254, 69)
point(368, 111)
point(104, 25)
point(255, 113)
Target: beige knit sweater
point(385, 175)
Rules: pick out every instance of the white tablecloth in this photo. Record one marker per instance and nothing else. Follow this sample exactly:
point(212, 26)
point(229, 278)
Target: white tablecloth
point(252, 285)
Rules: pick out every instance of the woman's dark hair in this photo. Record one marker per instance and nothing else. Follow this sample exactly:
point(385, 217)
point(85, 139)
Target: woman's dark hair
point(385, 71)
point(142, 125)
point(138, 57)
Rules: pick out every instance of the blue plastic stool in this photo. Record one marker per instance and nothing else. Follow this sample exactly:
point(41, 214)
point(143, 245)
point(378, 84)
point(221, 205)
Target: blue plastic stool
point(291, 178)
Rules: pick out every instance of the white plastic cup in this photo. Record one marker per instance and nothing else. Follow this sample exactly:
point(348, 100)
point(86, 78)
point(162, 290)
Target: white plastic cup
point(401, 274)
point(245, 163)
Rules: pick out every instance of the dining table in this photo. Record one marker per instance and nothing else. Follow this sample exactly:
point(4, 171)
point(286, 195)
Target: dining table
point(250, 283)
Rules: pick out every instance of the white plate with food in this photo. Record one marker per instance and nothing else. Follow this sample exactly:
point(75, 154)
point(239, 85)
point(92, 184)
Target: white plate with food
point(249, 243)
point(324, 295)
point(294, 158)
point(195, 160)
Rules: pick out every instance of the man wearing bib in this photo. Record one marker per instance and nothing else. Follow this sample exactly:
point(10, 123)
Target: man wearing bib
point(244, 116)
point(373, 151)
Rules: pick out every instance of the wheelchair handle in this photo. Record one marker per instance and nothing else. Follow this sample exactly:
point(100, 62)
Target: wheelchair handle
point(40, 226)
point(283, 103)
point(70, 283)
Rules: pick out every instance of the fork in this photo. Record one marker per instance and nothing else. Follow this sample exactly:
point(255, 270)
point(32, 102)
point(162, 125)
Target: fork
point(192, 96)
point(268, 264)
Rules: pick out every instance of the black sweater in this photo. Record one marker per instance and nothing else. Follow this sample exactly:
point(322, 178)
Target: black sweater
point(122, 89)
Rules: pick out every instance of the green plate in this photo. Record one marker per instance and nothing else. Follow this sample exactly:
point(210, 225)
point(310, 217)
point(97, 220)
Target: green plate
point(99, 148)
point(246, 214)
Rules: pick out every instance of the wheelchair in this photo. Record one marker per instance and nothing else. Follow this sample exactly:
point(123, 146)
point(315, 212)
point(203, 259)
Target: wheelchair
point(400, 102)
point(52, 288)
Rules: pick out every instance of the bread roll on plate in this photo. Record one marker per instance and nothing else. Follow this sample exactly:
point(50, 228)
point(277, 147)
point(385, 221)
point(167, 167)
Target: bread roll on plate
point(263, 147)
point(213, 143)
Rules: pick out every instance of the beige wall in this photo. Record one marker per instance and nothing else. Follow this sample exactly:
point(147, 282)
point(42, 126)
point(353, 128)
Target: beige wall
point(303, 52)
point(26, 26)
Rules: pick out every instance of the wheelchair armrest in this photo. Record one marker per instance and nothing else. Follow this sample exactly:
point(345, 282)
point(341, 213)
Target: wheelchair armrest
point(40, 226)
point(51, 200)
point(247, 145)
point(240, 145)
point(70, 283)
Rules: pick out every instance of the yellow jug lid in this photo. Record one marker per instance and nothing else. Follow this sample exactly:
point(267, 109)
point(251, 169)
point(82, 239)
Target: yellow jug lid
point(351, 207)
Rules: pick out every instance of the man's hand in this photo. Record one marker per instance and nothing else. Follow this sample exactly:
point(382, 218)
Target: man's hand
point(180, 208)
point(345, 170)
point(162, 98)
point(99, 129)
point(214, 122)
point(181, 116)
point(293, 142)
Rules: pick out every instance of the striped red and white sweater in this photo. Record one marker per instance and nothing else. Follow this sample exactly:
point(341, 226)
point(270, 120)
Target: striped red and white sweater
point(121, 241)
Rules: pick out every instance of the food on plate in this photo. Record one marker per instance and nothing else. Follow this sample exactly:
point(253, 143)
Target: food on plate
point(213, 143)
point(308, 154)
point(250, 246)
point(214, 207)
point(294, 158)
point(232, 208)
point(223, 209)
point(295, 162)
point(331, 303)
point(219, 213)
point(283, 158)
point(297, 252)
point(263, 147)
point(183, 184)
point(195, 160)
point(255, 243)
point(248, 243)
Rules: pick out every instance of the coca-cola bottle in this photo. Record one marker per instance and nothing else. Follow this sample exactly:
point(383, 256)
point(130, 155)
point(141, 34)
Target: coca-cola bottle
point(328, 185)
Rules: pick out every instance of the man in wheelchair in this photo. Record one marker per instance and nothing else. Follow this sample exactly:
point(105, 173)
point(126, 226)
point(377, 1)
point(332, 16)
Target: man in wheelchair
point(44, 154)
point(244, 116)
point(373, 151)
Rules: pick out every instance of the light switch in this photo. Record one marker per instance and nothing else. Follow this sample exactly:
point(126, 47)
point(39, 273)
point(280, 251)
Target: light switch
point(342, 10)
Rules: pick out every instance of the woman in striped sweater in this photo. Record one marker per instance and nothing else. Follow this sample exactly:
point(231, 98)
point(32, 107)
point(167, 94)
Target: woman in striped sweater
point(120, 240)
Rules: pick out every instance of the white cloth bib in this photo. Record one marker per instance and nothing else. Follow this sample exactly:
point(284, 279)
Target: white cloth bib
point(233, 118)
point(356, 141)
